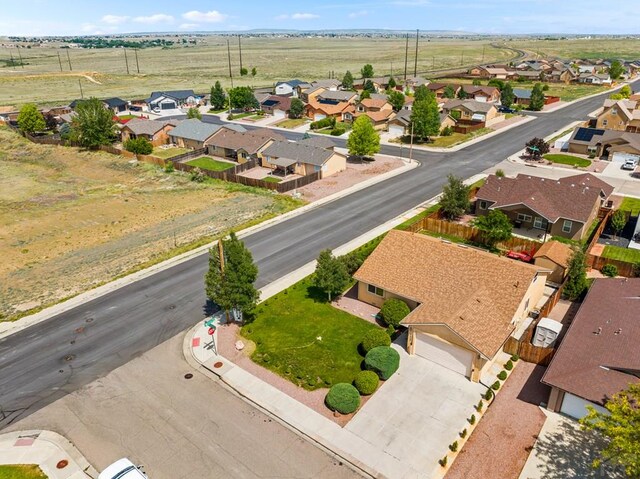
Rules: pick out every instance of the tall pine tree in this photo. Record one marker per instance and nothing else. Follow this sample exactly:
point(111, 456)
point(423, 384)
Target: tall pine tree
point(218, 97)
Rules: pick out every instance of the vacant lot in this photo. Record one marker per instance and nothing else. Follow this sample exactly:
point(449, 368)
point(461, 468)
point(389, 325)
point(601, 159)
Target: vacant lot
point(588, 47)
point(70, 220)
point(103, 71)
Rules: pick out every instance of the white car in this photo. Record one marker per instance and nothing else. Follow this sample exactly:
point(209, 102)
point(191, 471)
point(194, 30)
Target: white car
point(123, 469)
point(630, 164)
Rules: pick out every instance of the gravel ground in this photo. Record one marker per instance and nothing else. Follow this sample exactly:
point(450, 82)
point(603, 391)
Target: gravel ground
point(227, 337)
point(501, 443)
point(355, 173)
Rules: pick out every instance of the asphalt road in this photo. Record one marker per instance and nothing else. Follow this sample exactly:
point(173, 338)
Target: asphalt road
point(47, 361)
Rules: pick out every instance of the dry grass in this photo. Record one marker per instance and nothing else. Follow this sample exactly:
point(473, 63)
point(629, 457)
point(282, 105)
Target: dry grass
point(103, 72)
point(70, 220)
point(623, 48)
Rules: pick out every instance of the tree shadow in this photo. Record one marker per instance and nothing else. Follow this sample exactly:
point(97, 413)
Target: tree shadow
point(567, 452)
point(533, 391)
point(316, 294)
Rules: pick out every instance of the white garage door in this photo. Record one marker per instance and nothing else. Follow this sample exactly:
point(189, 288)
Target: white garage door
point(319, 116)
point(396, 131)
point(448, 355)
point(621, 156)
point(575, 406)
point(278, 114)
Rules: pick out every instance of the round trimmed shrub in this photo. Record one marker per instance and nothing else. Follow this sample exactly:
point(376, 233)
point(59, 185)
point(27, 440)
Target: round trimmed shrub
point(366, 382)
point(508, 365)
point(515, 358)
point(383, 360)
point(375, 338)
point(610, 270)
point(502, 375)
point(393, 311)
point(343, 397)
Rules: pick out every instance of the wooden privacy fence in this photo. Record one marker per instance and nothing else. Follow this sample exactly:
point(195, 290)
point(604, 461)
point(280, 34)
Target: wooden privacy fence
point(598, 262)
point(470, 233)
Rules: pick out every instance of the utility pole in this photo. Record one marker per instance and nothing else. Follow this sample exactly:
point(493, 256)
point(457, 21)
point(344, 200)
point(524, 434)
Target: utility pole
point(229, 55)
point(240, 50)
point(69, 60)
point(59, 61)
point(415, 66)
point(483, 47)
point(126, 60)
point(12, 60)
point(135, 50)
point(80, 85)
point(461, 58)
point(433, 65)
point(20, 55)
point(406, 55)
point(221, 254)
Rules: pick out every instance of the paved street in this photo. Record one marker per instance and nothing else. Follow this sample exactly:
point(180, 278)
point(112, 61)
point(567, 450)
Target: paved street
point(126, 323)
point(178, 428)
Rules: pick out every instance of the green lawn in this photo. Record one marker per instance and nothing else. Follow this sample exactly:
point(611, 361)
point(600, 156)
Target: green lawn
point(21, 471)
point(291, 123)
point(457, 138)
point(567, 160)
point(304, 339)
point(632, 205)
point(271, 179)
point(207, 163)
point(166, 153)
point(628, 255)
point(211, 110)
point(239, 116)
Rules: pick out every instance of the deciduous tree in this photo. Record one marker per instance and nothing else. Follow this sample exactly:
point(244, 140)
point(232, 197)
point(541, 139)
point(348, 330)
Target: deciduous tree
point(347, 81)
point(576, 281)
point(425, 117)
point(618, 222)
point(218, 97)
point(506, 95)
point(93, 124)
point(331, 274)
point(391, 84)
point(455, 198)
point(296, 109)
point(396, 98)
point(193, 112)
point(495, 227)
point(139, 146)
point(537, 98)
point(537, 147)
point(367, 71)
point(449, 92)
point(233, 287)
point(242, 97)
point(30, 119)
point(421, 93)
point(363, 140)
point(616, 70)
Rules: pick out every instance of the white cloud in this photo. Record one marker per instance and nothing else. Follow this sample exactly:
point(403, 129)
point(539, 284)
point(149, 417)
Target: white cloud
point(298, 16)
point(361, 13)
point(157, 18)
point(205, 17)
point(114, 19)
point(411, 3)
point(188, 26)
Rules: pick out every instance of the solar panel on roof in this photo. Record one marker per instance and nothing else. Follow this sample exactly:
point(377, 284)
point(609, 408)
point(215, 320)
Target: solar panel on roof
point(586, 134)
point(328, 101)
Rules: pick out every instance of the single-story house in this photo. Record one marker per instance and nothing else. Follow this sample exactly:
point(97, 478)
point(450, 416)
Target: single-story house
point(116, 105)
point(276, 105)
point(290, 88)
point(529, 75)
point(337, 96)
point(472, 111)
point(319, 142)
point(400, 124)
point(379, 111)
point(564, 207)
point(613, 145)
point(241, 146)
point(379, 83)
point(411, 83)
point(465, 303)
point(598, 356)
point(554, 256)
point(583, 140)
point(303, 159)
point(501, 73)
point(521, 96)
point(623, 115)
point(439, 89)
point(595, 78)
point(486, 94)
point(157, 132)
point(319, 109)
point(193, 133)
point(171, 100)
point(564, 75)
point(332, 84)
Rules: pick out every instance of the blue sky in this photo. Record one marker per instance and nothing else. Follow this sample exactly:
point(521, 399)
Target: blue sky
point(75, 17)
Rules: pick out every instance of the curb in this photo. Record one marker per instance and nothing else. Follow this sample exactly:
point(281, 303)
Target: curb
point(9, 328)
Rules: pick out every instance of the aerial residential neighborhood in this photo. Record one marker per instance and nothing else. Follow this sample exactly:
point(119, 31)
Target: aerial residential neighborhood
point(393, 240)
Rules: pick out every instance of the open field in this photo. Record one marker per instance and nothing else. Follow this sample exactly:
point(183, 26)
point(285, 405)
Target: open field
point(70, 220)
point(623, 48)
point(103, 72)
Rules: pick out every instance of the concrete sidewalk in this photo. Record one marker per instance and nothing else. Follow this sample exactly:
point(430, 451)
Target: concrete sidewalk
point(47, 449)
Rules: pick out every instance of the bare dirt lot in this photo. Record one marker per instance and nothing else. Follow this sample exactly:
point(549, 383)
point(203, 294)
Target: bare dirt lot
point(70, 220)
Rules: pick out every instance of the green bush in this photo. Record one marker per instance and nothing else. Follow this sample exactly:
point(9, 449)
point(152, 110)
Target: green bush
point(515, 358)
point(495, 386)
point(443, 461)
point(197, 175)
point(453, 447)
point(488, 395)
point(168, 166)
point(383, 360)
point(337, 131)
point(393, 311)
point(375, 338)
point(472, 419)
point(390, 331)
point(366, 382)
point(343, 397)
point(463, 433)
point(609, 270)
point(508, 365)
point(328, 122)
point(447, 131)
point(502, 375)
point(500, 173)
point(479, 406)
point(139, 146)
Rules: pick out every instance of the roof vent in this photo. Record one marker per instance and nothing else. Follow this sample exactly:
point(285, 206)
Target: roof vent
point(618, 331)
point(598, 331)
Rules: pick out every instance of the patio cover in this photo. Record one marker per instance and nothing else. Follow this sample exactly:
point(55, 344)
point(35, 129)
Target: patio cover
point(283, 162)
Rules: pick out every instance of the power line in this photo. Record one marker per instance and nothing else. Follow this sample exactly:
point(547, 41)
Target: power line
point(21, 62)
point(406, 55)
point(415, 66)
point(69, 60)
point(135, 50)
point(59, 60)
point(240, 50)
point(229, 56)
point(81, 93)
point(126, 60)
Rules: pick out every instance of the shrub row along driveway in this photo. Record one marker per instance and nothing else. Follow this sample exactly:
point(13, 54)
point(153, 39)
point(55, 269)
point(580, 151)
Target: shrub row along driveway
point(500, 445)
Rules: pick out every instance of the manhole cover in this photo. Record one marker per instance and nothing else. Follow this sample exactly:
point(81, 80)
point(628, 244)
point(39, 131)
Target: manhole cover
point(188, 376)
point(62, 464)
point(88, 320)
point(171, 306)
point(69, 357)
point(218, 364)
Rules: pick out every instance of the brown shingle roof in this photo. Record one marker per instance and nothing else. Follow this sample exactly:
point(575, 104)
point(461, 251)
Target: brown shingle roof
point(250, 141)
point(473, 292)
point(555, 251)
point(599, 353)
point(373, 103)
point(147, 127)
point(330, 109)
point(571, 198)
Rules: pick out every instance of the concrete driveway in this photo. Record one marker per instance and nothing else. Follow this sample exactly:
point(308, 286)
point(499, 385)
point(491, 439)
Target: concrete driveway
point(418, 412)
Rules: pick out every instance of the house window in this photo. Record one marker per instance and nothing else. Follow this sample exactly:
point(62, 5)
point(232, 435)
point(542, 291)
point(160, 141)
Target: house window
point(374, 290)
point(540, 223)
point(524, 218)
point(604, 122)
point(483, 205)
point(614, 111)
point(566, 226)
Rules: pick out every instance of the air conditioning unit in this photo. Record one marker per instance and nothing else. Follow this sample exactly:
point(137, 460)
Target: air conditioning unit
point(547, 332)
